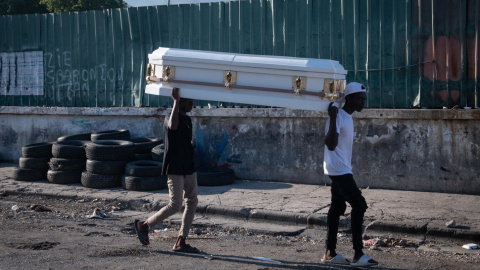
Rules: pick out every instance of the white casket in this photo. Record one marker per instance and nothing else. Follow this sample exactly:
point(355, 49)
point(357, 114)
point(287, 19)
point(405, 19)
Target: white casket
point(296, 83)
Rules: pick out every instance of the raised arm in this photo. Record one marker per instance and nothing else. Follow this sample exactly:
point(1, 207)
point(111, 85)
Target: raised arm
point(331, 139)
point(173, 121)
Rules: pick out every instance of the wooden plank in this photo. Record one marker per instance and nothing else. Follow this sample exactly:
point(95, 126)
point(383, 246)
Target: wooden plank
point(75, 59)
point(137, 54)
point(268, 29)
point(128, 48)
point(400, 55)
point(3, 48)
point(278, 27)
point(204, 25)
point(118, 33)
point(65, 67)
point(374, 94)
point(245, 20)
point(50, 56)
point(362, 63)
point(349, 39)
point(256, 27)
point(83, 59)
point(387, 34)
point(100, 64)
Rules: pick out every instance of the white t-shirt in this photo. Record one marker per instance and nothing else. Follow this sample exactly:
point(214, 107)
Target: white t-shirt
point(339, 161)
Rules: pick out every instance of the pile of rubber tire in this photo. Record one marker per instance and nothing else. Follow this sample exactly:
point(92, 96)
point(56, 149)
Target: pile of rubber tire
point(33, 165)
point(212, 176)
point(144, 146)
point(216, 176)
point(144, 175)
point(68, 159)
point(107, 155)
point(158, 152)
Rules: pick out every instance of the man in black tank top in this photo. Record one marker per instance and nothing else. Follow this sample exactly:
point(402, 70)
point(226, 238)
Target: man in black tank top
point(179, 166)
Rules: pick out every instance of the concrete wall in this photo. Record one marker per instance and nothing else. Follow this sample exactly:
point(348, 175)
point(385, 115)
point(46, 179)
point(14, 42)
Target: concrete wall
point(424, 150)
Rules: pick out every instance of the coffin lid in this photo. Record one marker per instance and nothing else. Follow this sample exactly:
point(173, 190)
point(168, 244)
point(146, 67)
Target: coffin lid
point(246, 60)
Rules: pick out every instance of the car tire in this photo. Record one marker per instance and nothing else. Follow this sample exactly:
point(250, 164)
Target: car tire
point(34, 163)
point(110, 150)
point(105, 167)
point(76, 137)
point(144, 183)
point(64, 177)
point(215, 177)
point(66, 164)
point(37, 150)
point(69, 149)
point(144, 168)
point(144, 145)
point(121, 134)
point(158, 152)
point(92, 180)
point(30, 175)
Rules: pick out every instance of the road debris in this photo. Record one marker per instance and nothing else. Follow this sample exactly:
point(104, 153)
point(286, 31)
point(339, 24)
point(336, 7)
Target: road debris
point(209, 257)
point(97, 213)
point(39, 208)
point(470, 246)
point(265, 259)
point(451, 224)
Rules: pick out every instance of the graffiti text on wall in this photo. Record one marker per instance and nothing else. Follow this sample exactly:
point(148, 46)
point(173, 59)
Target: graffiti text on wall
point(60, 75)
point(21, 73)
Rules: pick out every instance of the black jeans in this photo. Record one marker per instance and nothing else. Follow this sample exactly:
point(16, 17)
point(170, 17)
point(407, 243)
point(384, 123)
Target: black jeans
point(344, 189)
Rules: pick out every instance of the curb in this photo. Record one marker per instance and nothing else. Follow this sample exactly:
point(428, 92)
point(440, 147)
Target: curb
point(423, 229)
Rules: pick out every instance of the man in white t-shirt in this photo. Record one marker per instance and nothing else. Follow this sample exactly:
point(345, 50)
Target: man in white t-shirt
point(337, 165)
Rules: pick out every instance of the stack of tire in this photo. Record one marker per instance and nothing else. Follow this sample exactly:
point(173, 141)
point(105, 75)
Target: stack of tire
point(33, 165)
point(144, 146)
point(107, 155)
point(216, 176)
point(212, 176)
point(144, 175)
point(68, 160)
point(157, 152)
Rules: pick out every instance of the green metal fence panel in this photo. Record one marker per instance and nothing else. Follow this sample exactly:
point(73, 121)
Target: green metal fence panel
point(410, 53)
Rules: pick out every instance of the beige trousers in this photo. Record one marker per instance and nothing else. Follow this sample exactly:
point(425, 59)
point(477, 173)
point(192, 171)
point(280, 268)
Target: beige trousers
point(181, 187)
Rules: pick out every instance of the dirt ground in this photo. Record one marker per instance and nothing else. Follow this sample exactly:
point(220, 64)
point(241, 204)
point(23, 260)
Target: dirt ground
point(65, 238)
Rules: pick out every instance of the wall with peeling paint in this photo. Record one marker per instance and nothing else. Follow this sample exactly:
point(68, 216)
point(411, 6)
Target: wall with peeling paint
point(424, 150)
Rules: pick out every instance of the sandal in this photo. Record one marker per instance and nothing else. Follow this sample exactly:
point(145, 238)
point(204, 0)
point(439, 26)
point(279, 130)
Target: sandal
point(142, 236)
point(364, 261)
point(187, 249)
point(338, 259)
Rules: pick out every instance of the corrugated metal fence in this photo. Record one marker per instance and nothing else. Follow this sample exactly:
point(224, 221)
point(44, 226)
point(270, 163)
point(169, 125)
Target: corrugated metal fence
point(410, 53)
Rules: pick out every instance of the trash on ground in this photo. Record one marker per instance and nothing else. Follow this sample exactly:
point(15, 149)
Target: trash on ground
point(370, 242)
point(162, 230)
point(15, 207)
point(39, 208)
point(210, 257)
point(451, 224)
point(390, 242)
point(470, 246)
point(97, 213)
point(265, 259)
point(401, 243)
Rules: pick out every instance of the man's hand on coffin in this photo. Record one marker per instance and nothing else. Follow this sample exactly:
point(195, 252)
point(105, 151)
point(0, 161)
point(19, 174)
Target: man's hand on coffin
point(175, 94)
point(332, 110)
